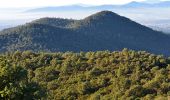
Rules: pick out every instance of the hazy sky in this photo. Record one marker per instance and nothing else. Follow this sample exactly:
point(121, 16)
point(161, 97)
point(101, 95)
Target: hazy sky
point(38, 3)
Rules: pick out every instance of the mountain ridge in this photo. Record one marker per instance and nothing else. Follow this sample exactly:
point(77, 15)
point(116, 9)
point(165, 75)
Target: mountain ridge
point(104, 30)
point(132, 4)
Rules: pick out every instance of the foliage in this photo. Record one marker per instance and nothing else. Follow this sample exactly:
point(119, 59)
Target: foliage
point(14, 83)
point(101, 75)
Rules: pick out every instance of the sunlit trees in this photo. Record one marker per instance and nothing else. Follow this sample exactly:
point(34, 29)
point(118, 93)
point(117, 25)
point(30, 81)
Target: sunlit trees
point(93, 75)
point(14, 83)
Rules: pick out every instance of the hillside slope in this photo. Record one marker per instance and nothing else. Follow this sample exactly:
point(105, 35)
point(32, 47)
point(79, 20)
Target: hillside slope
point(101, 31)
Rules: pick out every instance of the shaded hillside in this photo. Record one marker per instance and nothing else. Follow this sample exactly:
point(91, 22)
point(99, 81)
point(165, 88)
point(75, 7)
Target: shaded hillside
point(56, 22)
point(101, 31)
point(125, 75)
point(39, 37)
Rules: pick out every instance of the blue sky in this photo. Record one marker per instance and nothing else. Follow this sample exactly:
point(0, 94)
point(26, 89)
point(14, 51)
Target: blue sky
point(40, 3)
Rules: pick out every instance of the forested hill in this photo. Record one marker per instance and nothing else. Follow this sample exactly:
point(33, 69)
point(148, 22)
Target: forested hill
point(104, 30)
point(102, 75)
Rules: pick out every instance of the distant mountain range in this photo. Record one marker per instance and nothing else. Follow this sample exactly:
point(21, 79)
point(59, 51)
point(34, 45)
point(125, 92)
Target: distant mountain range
point(101, 31)
point(133, 4)
point(148, 5)
point(72, 8)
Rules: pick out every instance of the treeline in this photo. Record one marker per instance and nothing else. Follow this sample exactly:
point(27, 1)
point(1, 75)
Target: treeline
point(102, 75)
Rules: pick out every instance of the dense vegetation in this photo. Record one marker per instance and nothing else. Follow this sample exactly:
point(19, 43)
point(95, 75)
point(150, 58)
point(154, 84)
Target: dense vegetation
point(101, 31)
point(102, 75)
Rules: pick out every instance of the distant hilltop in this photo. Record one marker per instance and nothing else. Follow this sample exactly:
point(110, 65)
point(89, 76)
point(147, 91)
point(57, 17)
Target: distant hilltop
point(104, 30)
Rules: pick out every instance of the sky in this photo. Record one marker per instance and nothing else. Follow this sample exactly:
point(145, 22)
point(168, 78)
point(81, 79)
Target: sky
point(40, 3)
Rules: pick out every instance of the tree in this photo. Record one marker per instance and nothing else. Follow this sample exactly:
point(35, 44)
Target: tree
point(14, 83)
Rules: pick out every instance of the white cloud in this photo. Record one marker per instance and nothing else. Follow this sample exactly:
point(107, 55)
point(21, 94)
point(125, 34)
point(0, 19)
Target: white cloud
point(38, 3)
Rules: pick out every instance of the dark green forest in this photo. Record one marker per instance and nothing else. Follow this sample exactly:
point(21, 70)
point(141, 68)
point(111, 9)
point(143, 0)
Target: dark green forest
point(110, 30)
point(101, 75)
